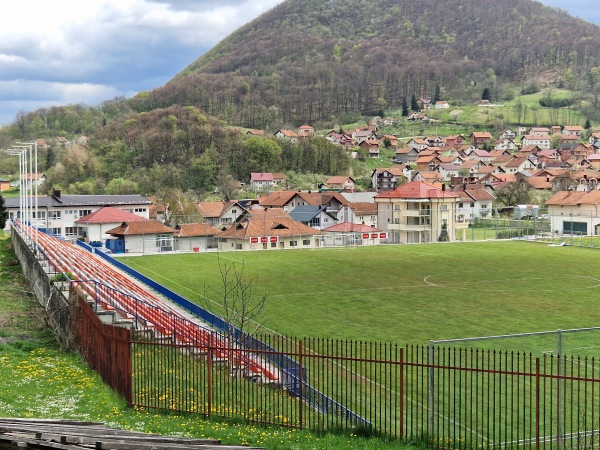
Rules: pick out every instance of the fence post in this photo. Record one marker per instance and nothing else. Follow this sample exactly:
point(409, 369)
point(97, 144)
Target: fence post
point(559, 437)
point(209, 375)
point(537, 403)
point(401, 391)
point(300, 382)
point(430, 431)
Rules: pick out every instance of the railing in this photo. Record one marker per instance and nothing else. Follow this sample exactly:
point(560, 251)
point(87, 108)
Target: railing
point(291, 372)
point(451, 398)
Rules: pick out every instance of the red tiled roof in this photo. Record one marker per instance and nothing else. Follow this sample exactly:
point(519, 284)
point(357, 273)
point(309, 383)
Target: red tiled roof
point(261, 176)
point(277, 198)
point(363, 208)
point(417, 190)
point(195, 229)
point(108, 214)
point(574, 198)
point(210, 209)
point(258, 226)
point(139, 228)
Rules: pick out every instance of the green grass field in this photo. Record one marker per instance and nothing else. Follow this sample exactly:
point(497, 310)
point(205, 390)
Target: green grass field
point(409, 293)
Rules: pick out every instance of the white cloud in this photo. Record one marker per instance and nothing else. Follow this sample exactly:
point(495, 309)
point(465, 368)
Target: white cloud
point(86, 52)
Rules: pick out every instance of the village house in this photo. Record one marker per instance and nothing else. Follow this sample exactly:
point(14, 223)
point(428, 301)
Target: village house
point(256, 132)
point(435, 141)
point(383, 179)
point(266, 181)
point(418, 144)
point(508, 134)
point(363, 213)
point(518, 164)
point(315, 216)
point(287, 134)
point(539, 131)
point(219, 214)
point(391, 139)
point(57, 213)
point(34, 179)
point(541, 140)
point(441, 104)
point(4, 185)
point(305, 131)
point(573, 130)
point(94, 226)
point(195, 237)
point(505, 144)
point(371, 147)
point(476, 202)
point(406, 155)
point(146, 236)
point(339, 183)
point(363, 134)
point(418, 212)
point(575, 212)
point(481, 138)
point(447, 171)
point(267, 233)
point(455, 140)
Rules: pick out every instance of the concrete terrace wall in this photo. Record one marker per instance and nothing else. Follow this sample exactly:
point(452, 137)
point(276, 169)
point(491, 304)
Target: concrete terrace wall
point(50, 296)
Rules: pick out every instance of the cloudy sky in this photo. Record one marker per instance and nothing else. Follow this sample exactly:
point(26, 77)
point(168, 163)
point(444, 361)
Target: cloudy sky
point(76, 51)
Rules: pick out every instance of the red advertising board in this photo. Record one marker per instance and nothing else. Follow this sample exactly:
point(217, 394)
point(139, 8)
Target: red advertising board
point(365, 235)
point(264, 239)
point(273, 239)
point(254, 240)
point(382, 235)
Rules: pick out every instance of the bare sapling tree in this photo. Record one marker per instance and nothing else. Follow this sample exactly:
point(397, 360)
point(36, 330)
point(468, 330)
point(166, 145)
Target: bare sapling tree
point(243, 312)
point(243, 309)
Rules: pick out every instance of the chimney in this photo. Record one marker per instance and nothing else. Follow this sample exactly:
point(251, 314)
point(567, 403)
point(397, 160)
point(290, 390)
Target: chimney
point(444, 187)
point(56, 193)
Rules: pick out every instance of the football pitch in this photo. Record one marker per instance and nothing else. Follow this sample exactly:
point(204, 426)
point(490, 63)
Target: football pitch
point(410, 294)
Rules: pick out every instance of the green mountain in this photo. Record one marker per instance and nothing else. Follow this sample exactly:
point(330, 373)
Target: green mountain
point(322, 61)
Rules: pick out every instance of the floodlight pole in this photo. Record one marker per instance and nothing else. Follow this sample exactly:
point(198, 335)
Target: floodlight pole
point(22, 153)
point(34, 145)
point(28, 181)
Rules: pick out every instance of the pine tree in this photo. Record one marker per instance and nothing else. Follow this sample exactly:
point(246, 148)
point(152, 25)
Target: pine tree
point(413, 103)
point(404, 107)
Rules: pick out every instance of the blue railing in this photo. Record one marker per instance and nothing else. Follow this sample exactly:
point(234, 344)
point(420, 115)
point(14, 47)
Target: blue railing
point(291, 377)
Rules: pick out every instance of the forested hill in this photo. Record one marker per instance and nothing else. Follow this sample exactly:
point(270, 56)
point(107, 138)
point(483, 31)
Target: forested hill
point(314, 60)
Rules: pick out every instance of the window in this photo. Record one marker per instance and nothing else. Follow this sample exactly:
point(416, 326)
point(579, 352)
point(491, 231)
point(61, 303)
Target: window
point(234, 211)
point(273, 244)
point(238, 246)
point(71, 231)
point(140, 210)
point(56, 231)
point(54, 215)
point(40, 215)
point(293, 243)
point(84, 212)
point(305, 241)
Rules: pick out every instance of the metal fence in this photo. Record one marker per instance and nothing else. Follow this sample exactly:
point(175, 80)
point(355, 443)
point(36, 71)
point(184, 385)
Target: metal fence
point(450, 397)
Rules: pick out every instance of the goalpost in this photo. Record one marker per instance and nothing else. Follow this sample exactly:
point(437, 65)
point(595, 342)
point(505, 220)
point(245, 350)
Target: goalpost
point(560, 349)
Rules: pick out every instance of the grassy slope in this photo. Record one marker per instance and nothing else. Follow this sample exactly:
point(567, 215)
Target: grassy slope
point(405, 294)
point(38, 380)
